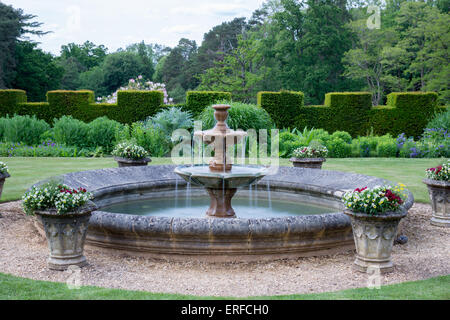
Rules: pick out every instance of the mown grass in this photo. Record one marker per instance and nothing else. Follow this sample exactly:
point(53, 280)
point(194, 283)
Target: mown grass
point(16, 288)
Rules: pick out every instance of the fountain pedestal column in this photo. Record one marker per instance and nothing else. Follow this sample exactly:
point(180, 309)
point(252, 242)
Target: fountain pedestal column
point(220, 205)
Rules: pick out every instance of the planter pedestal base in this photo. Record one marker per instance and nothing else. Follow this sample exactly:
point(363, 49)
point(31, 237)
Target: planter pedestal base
point(440, 221)
point(364, 265)
point(62, 264)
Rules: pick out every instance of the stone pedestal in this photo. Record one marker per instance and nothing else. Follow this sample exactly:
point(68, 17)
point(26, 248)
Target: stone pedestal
point(65, 235)
point(374, 237)
point(440, 201)
point(220, 205)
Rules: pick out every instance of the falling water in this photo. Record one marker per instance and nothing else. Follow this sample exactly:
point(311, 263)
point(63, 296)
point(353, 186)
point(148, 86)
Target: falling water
point(268, 195)
point(176, 193)
point(250, 195)
point(188, 193)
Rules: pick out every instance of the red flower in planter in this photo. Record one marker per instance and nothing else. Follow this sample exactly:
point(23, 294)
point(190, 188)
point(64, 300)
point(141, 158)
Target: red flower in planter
point(360, 190)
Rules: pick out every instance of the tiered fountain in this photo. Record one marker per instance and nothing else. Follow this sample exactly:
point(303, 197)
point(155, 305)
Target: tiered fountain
point(221, 179)
point(141, 211)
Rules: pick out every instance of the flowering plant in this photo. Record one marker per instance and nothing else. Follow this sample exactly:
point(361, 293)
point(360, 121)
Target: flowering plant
point(311, 152)
point(54, 196)
point(138, 84)
point(440, 172)
point(3, 168)
point(129, 150)
point(375, 200)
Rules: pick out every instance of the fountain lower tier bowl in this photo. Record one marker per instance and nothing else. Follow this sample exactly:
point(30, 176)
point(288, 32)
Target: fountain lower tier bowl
point(253, 237)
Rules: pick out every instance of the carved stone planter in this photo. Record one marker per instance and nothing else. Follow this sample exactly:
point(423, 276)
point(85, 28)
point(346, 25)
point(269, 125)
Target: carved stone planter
point(66, 234)
point(125, 162)
point(312, 163)
point(374, 237)
point(3, 176)
point(440, 201)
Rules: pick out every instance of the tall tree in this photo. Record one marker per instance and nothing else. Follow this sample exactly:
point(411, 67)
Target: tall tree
point(15, 25)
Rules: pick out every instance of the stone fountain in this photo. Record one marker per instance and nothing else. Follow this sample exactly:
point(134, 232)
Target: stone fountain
point(221, 179)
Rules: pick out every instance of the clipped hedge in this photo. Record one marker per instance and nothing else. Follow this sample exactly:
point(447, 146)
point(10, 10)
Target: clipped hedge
point(197, 101)
point(131, 105)
point(352, 112)
point(282, 106)
point(407, 112)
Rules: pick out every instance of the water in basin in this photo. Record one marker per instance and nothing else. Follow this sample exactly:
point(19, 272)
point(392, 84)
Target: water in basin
point(196, 207)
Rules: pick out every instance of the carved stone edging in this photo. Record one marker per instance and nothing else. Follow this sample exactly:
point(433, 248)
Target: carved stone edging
point(66, 234)
point(374, 237)
point(439, 192)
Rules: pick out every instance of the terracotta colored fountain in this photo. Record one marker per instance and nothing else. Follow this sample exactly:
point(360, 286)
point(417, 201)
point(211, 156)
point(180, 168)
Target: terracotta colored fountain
point(221, 179)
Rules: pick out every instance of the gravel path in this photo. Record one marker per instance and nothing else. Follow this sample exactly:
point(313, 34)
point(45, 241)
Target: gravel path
point(23, 252)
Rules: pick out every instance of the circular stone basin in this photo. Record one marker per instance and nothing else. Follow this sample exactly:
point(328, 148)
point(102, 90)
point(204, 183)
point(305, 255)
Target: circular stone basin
point(221, 239)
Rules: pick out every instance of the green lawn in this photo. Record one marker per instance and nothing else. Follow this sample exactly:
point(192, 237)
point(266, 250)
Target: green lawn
point(27, 171)
point(12, 287)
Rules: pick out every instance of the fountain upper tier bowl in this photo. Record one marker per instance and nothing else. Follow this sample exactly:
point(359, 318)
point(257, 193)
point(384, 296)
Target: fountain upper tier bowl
point(238, 177)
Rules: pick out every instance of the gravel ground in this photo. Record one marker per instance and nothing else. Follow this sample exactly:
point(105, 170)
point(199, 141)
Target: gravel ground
point(23, 252)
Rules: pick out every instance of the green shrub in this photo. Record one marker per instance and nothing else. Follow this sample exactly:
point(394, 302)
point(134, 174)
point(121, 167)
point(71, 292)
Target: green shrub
point(240, 116)
point(196, 101)
point(102, 133)
point(321, 135)
point(170, 119)
point(387, 149)
point(343, 135)
point(23, 129)
point(440, 120)
point(71, 132)
point(282, 106)
point(150, 138)
point(338, 148)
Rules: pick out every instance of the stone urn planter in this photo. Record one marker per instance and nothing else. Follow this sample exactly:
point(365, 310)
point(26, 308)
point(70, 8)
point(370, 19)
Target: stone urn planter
point(440, 201)
point(125, 162)
point(3, 176)
point(65, 235)
point(374, 237)
point(312, 163)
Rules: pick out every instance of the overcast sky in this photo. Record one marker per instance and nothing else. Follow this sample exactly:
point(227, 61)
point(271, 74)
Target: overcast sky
point(116, 24)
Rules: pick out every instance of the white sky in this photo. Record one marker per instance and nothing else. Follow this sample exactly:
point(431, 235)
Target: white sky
point(116, 24)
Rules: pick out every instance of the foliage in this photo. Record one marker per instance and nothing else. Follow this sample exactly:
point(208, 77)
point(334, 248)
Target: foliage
point(338, 148)
point(240, 116)
point(71, 132)
point(152, 139)
point(24, 129)
point(129, 150)
point(102, 133)
point(170, 119)
point(342, 135)
point(441, 173)
point(46, 149)
point(36, 71)
point(441, 120)
point(375, 200)
point(54, 196)
point(387, 149)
